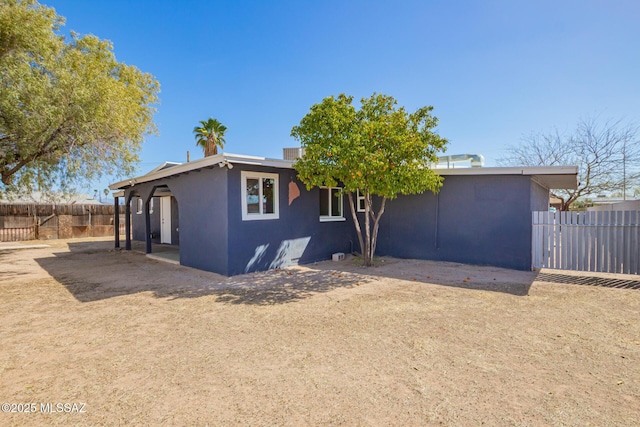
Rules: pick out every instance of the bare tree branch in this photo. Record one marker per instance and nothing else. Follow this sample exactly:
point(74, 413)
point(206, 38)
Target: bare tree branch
point(607, 154)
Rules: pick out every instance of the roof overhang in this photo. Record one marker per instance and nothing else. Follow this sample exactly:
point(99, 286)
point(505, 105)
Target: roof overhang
point(552, 177)
point(208, 162)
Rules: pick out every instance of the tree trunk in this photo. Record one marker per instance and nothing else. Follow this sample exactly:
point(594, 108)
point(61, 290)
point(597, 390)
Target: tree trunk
point(376, 226)
point(356, 222)
point(366, 253)
point(211, 149)
point(369, 241)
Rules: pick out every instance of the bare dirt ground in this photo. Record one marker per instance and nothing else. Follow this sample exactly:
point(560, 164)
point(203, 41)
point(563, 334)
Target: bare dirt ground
point(141, 342)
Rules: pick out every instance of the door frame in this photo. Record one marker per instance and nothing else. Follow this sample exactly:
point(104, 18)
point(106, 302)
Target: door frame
point(165, 219)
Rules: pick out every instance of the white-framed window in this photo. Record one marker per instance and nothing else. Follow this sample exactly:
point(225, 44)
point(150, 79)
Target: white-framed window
point(331, 204)
point(359, 202)
point(151, 206)
point(259, 195)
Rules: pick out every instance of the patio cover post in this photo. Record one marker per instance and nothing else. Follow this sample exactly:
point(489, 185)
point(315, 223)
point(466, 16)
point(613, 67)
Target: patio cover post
point(147, 224)
point(127, 221)
point(116, 221)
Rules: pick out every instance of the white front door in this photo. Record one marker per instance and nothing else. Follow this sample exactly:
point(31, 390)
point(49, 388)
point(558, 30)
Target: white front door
point(165, 219)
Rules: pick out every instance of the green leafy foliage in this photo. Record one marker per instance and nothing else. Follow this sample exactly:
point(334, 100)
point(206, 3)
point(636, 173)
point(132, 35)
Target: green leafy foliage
point(69, 111)
point(379, 149)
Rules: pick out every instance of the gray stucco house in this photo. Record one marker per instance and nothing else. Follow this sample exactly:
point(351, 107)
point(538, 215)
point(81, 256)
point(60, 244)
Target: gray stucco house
point(234, 214)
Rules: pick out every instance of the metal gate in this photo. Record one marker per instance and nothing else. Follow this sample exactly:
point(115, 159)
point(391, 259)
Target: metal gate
point(605, 241)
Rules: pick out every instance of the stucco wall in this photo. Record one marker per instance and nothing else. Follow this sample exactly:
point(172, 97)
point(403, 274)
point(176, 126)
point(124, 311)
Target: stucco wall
point(474, 219)
point(539, 197)
point(137, 220)
point(297, 236)
point(203, 226)
point(175, 222)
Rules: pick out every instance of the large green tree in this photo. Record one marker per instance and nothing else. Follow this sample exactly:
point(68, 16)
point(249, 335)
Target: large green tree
point(377, 150)
point(210, 135)
point(69, 111)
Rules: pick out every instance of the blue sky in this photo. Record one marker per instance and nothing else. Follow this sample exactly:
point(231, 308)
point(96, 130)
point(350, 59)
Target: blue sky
point(493, 70)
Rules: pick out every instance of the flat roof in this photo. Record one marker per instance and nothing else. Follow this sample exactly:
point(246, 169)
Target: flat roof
point(552, 177)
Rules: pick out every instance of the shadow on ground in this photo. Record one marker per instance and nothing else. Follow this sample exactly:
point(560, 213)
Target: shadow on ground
point(93, 271)
point(493, 279)
point(449, 274)
point(605, 282)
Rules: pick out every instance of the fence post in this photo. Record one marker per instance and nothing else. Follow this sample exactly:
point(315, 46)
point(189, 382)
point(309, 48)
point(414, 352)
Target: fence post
point(36, 223)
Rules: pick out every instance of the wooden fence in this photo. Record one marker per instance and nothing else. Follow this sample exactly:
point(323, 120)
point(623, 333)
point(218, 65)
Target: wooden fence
point(30, 222)
point(605, 241)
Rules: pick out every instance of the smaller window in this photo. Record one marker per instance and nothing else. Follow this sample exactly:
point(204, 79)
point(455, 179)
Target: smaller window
point(151, 206)
point(140, 206)
point(331, 204)
point(359, 202)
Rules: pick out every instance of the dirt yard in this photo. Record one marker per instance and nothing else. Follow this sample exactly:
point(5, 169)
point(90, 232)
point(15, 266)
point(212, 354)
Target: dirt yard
point(134, 341)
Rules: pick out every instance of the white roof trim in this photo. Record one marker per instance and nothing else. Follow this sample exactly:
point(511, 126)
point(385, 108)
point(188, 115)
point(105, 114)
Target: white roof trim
point(202, 163)
point(542, 170)
point(550, 177)
point(569, 173)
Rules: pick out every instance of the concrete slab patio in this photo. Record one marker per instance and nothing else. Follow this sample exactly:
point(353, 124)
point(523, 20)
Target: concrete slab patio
point(159, 252)
point(9, 246)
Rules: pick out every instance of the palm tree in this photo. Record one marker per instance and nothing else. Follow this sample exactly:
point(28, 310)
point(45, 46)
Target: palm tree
point(209, 135)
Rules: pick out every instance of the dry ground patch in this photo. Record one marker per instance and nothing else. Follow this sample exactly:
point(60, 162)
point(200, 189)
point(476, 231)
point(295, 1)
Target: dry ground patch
point(408, 343)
